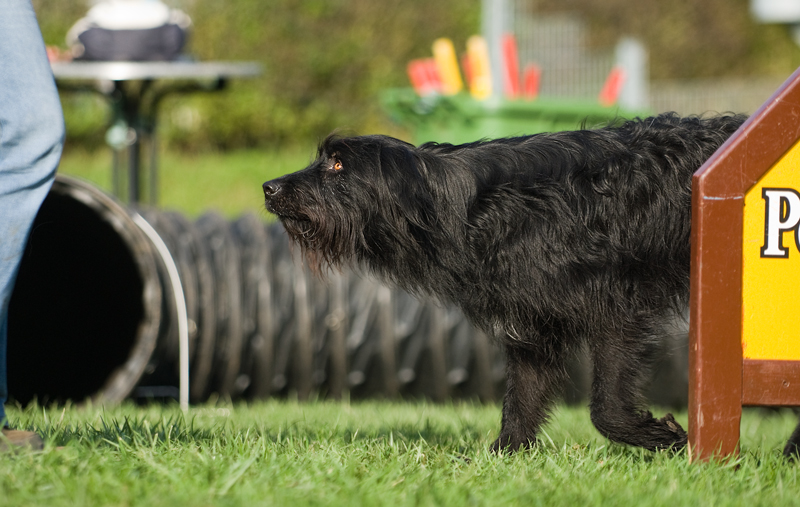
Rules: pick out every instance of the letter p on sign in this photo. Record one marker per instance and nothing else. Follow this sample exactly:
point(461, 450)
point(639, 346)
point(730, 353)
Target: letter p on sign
point(782, 214)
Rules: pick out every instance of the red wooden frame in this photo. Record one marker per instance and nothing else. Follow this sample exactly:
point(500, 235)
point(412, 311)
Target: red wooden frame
point(720, 381)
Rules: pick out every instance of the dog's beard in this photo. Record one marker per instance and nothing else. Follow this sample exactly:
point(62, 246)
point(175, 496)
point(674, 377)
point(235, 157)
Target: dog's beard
point(322, 243)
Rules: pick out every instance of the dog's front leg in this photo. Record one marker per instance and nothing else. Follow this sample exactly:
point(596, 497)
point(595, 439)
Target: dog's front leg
point(621, 368)
point(532, 382)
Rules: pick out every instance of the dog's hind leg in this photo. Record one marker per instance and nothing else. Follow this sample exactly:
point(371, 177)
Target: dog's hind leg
point(532, 384)
point(792, 449)
point(621, 369)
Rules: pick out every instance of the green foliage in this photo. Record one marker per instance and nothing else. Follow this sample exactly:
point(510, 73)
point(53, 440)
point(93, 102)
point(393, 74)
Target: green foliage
point(324, 64)
point(369, 453)
point(326, 61)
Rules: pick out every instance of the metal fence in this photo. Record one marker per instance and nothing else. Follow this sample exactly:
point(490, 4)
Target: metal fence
point(557, 43)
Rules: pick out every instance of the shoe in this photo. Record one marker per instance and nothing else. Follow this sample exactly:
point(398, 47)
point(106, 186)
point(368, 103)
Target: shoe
point(17, 440)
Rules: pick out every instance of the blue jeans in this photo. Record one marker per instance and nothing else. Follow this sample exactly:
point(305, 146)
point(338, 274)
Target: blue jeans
point(31, 138)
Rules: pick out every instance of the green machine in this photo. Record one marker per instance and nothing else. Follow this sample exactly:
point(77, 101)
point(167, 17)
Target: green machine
point(460, 118)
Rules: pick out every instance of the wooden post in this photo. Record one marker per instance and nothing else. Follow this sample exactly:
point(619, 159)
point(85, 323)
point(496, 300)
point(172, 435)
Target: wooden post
point(723, 376)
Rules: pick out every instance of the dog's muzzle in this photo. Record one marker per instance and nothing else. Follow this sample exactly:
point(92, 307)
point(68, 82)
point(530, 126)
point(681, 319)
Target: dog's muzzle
point(271, 189)
point(278, 199)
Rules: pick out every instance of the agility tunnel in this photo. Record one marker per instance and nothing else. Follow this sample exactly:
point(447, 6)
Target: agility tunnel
point(105, 293)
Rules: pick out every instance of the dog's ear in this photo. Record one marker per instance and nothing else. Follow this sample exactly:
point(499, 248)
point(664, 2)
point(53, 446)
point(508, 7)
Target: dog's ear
point(401, 170)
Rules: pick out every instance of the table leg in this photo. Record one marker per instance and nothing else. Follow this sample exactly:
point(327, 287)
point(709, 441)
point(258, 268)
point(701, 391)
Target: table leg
point(133, 170)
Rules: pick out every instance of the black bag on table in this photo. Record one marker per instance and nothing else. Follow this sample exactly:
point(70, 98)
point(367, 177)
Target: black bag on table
point(162, 43)
point(129, 30)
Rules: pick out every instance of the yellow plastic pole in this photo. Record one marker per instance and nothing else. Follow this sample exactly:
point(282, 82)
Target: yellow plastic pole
point(446, 62)
point(480, 85)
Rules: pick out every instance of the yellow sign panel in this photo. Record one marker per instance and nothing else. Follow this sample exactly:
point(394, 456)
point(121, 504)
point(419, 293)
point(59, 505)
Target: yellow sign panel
point(771, 263)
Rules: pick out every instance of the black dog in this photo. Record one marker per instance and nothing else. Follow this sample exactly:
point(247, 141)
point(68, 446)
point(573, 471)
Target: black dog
point(547, 241)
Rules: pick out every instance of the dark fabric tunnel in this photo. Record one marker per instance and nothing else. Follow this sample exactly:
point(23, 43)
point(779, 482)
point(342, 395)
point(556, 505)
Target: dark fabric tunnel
point(85, 311)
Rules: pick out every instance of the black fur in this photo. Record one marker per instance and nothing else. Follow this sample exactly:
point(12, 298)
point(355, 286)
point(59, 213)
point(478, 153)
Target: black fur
point(792, 448)
point(547, 241)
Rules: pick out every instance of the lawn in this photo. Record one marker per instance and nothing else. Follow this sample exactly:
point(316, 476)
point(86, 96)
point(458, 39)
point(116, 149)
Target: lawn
point(366, 453)
point(369, 453)
point(193, 183)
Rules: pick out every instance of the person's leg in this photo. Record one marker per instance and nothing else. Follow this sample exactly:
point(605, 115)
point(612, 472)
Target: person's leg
point(31, 138)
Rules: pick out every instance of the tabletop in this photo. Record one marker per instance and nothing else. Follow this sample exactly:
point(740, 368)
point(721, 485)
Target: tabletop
point(128, 71)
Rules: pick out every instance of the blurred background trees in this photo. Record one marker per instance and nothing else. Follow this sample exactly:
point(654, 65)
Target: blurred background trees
point(326, 61)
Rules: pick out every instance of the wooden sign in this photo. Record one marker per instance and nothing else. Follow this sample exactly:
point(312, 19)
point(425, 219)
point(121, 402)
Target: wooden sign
point(745, 281)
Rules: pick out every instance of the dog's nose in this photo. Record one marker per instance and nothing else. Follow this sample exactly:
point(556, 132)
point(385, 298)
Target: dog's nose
point(271, 188)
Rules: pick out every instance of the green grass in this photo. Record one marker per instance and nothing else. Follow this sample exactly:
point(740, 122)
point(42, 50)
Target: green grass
point(375, 453)
point(226, 182)
point(372, 453)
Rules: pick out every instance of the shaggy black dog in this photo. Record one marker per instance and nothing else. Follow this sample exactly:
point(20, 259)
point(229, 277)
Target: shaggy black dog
point(547, 241)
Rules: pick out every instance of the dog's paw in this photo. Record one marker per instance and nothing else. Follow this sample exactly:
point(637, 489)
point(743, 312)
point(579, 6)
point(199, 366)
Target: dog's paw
point(641, 429)
point(792, 449)
point(673, 436)
point(509, 444)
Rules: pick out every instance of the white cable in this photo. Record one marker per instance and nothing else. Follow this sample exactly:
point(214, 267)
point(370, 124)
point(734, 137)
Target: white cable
point(180, 306)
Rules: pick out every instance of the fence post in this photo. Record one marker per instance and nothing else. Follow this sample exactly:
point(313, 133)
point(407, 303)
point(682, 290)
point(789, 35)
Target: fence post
point(735, 361)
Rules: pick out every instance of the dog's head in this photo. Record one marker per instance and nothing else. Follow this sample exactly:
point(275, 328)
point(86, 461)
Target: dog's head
point(362, 198)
